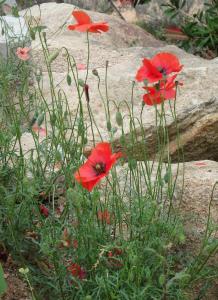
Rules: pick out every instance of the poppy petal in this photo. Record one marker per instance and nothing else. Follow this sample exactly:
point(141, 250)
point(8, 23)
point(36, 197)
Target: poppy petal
point(148, 72)
point(167, 62)
point(85, 171)
point(99, 27)
point(88, 175)
point(89, 185)
point(80, 28)
point(81, 17)
point(150, 99)
point(71, 27)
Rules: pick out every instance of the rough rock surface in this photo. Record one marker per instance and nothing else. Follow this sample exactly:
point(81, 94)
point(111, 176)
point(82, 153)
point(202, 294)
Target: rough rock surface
point(194, 184)
point(197, 106)
point(97, 5)
point(54, 16)
point(152, 12)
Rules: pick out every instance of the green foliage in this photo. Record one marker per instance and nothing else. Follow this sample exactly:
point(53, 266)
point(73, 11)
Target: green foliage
point(3, 285)
point(201, 28)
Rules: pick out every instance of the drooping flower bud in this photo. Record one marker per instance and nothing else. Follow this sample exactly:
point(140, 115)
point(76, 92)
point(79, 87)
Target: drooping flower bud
point(53, 56)
point(95, 72)
point(69, 80)
point(81, 82)
point(119, 118)
point(86, 90)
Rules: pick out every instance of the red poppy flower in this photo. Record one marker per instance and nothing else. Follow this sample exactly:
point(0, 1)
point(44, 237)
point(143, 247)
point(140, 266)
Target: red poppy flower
point(104, 216)
point(44, 210)
point(114, 260)
point(157, 68)
point(23, 53)
point(81, 67)
point(75, 244)
point(85, 24)
point(40, 130)
point(115, 252)
point(77, 271)
point(162, 91)
point(97, 166)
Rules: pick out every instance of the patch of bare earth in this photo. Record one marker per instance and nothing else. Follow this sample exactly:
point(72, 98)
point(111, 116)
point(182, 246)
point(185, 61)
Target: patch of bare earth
point(17, 288)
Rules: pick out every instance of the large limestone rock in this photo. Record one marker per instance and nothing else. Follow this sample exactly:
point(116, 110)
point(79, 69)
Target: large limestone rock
point(121, 34)
point(13, 33)
point(196, 188)
point(197, 106)
point(98, 5)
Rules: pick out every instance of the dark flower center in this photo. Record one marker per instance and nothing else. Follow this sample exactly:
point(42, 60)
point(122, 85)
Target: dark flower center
point(100, 168)
point(163, 71)
point(157, 86)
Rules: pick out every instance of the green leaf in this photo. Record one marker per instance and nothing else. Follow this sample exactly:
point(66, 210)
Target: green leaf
point(15, 12)
point(3, 285)
point(162, 279)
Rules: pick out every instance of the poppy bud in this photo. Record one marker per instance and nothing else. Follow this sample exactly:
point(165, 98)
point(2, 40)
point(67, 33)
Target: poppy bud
point(119, 119)
point(167, 176)
point(86, 90)
point(34, 119)
point(53, 56)
point(38, 75)
point(95, 72)
point(69, 80)
point(32, 34)
point(109, 126)
point(40, 119)
point(81, 82)
point(44, 210)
